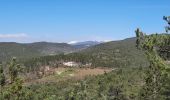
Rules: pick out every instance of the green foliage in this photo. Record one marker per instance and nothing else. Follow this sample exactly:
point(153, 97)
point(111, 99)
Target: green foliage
point(157, 74)
point(55, 60)
point(116, 93)
point(2, 76)
point(117, 54)
point(24, 51)
point(13, 90)
point(14, 68)
point(167, 19)
point(121, 84)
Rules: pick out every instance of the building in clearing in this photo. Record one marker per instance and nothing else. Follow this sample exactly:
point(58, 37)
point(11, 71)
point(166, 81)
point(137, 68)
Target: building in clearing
point(71, 64)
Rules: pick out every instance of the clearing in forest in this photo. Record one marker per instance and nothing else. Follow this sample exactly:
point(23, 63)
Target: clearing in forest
point(61, 74)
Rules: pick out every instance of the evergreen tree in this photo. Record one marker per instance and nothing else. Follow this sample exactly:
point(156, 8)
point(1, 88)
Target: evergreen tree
point(14, 68)
point(13, 90)
point(157, 74)
point(138, 38)
point(167, 19)
point(2, 76)
point(116, 93)
point(83, 94)
point(101, 88)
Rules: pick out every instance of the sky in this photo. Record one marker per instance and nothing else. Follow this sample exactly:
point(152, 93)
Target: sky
point(79, 20)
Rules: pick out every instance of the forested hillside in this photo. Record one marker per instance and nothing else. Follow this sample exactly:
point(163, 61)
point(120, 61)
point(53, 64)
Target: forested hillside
point(117, 54)
point(29, 50)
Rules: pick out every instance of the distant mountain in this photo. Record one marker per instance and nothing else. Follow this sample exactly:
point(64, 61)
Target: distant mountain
point(28, 50)
point(109, 54)
point(85, 44)
point(47, 48)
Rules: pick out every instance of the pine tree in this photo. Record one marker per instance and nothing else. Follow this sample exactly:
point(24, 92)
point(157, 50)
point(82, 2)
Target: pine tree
point(167, 19)
point(116, 93)
point(13, 90)
point(157, 73)
point(2, 80)
point(14, 68)
point(138, 38)
point(2, 76)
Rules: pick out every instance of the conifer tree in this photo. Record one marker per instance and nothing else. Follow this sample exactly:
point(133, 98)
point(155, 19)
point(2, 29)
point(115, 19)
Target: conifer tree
point(116, 93)
point(167, 19)
point(157, 73)
point(2, 76)
point(13, 90)
point(14, 69)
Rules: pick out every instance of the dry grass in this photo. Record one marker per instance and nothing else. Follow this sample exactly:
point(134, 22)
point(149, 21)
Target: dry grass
point(61, 74)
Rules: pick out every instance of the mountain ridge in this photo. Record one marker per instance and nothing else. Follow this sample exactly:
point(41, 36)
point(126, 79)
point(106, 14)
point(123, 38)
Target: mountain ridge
point(29, 50)
point(36, 49)
point(85, 44)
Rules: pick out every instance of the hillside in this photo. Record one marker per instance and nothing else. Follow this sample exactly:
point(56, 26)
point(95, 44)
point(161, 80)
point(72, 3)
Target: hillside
point(125, 82)
point(29, 50)
point(113, 54)
point(117, 53)
point(109, 54)
point(85, 44)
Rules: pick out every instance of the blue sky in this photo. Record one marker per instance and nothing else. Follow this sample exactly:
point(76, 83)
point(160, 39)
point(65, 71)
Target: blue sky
point(79, 20)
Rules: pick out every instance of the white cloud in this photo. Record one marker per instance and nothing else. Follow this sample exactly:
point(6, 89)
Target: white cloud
point(20, 35)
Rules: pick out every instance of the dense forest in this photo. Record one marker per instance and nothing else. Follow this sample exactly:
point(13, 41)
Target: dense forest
point(140, 71)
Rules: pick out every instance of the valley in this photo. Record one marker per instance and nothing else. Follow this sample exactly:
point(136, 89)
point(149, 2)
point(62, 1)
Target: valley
point(84, 50)
point(96, 71)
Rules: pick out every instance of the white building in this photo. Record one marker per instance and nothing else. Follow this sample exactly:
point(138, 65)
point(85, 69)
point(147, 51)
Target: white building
point(71, 64)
